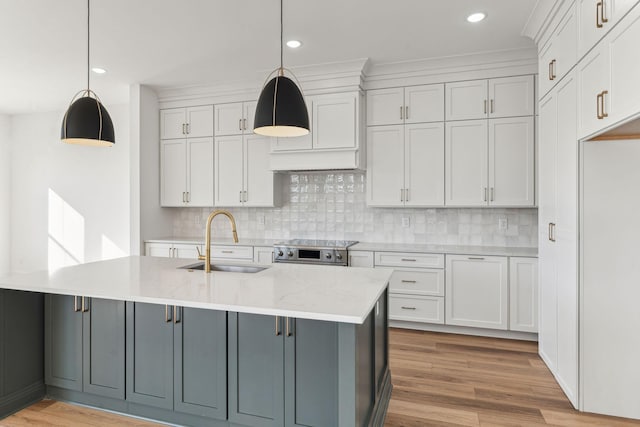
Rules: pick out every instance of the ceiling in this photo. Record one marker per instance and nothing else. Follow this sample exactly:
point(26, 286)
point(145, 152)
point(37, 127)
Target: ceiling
point(190, 42)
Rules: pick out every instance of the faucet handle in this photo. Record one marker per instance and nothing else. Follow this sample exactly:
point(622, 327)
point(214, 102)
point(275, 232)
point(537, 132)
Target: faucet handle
point(200, 256)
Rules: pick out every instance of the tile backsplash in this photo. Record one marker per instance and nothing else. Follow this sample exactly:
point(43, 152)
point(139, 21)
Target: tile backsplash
point(332, 205)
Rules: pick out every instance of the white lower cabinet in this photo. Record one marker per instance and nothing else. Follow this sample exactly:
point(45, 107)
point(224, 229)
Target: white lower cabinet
point(413, 308)
point(232, 253)
point(423, 281)
point(523, 294)
point(263, 255)
point(477, 291)
point(173, 250)
point(361, 259)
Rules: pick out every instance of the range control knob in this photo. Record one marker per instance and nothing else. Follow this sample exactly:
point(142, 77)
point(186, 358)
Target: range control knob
point(290, 253)
point(280, 253)
point(328, 256)
point(339, 256)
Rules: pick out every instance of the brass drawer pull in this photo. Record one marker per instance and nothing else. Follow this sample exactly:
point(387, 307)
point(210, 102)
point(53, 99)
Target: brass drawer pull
point(277, 325)
point(227, 252)
point(409, 281)
point(408, 308)
point(476, 258)
point(408, 259)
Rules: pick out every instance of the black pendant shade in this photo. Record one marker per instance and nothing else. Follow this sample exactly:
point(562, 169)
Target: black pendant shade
point(281, 110)
point(87, 122)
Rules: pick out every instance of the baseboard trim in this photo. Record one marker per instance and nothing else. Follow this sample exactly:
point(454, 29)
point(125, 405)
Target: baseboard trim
point(21, 399)
point(463, 330)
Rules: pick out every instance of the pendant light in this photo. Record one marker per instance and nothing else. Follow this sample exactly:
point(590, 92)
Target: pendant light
point(86, 121)
point(281, 110)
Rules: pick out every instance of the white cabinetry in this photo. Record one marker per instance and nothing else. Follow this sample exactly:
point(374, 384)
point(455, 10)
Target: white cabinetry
point(481, 99)
point(413, 104)
point(263, 255)
point(235, 118)
point(231, 253)
point(477, 291)
point(596, 18)
point(490, 163)
point(558, 219)
point(361, 259)
point(334, 141)
point(186, 157)
point(243, 177)
point(173, 250)
point(193, 122)
point(405, 165)
point(560, 52)
point(523, 294)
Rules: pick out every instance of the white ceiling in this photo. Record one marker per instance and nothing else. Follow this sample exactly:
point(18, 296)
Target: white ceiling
point(190, 42)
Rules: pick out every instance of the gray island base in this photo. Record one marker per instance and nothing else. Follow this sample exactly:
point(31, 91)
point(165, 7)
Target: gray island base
point(210, 367)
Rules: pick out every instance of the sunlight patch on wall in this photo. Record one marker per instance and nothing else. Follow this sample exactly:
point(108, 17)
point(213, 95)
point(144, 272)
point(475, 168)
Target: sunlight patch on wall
point(66, 244)
point(110, 250)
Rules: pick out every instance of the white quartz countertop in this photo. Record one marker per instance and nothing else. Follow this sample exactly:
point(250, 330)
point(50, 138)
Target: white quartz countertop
point(337, 294)
point(446, 249)
point(200, 241)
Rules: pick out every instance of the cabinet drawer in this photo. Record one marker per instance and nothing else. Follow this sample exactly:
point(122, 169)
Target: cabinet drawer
point(407, 259)
point(417, 282)
point(416, 309)
point(232, 252)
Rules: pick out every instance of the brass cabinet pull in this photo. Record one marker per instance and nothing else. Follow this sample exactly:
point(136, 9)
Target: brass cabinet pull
point(167, 314)
point(476, 258)
point(176, 314)
point(76, 306)
point(402, 194)
point(406, 112)
point(406, 194)
point(599, 14)
point(408, 281)
point(240, 196)
point(485, 106)
point(598, 104)
point(408, 259)
point(485, 194)
point(377, 308)
point(491, 110)
point(246, 197)
point(188, 197)
point(408, 308)
point(401, 110)
point(188, 128)
point(550, 78)
point(244, 124)
point(227, 252)
point(239, 124)
point(277, 326)
point(552, 234)
point(492, 194)
point(602, 109)
point(85, 304)
point(184, 132)
point(288, 328)
point(553, 69)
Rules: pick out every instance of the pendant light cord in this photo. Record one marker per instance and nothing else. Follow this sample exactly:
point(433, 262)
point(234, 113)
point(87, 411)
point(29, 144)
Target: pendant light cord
point(88, 44)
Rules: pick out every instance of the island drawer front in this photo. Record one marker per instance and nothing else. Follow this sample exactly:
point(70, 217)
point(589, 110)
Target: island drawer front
point(427, 281)
point(408, 259)
point(232, 252)
point(416, 308)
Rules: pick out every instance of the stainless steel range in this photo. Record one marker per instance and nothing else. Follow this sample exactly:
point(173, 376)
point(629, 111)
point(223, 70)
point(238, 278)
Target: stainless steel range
point(327, 252)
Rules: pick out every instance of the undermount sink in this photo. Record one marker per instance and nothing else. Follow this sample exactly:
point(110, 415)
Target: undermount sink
point(225, 268)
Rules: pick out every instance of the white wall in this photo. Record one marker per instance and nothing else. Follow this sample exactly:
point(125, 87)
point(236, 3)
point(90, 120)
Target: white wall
point(69, 203)
point(5, 196)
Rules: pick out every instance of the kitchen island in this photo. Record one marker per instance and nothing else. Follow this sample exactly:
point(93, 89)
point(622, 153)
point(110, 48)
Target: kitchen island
point(288, 345)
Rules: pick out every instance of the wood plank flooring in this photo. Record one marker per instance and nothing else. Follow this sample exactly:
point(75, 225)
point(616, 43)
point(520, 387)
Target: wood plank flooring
point(439, 380)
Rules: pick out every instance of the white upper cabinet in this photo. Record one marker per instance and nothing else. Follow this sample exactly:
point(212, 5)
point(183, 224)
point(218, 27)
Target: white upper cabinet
point(186, 156)
point(511, 162)
point(234, 118)
point(405, 165)
point(335, 124)
point(191, 122)
point(594, 91)
point(466, 163)
point(467, 100)
point(511, 97)
point(412, 104)
point(596, 18)
point(243, 177)
point(559, 54)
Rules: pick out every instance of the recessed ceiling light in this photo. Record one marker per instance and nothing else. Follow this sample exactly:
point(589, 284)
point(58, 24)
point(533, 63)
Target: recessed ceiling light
point(294, 44)
point(98, 70)
point(476, 17)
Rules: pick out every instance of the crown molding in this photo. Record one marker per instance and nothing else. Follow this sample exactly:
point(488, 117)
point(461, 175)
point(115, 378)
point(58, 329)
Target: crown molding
point(541, 18)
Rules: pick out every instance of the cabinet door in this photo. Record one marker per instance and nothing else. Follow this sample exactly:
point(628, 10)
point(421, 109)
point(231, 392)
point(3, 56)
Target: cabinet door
point(360, 259)
point(256, 370)
point(186, 251)
point(593, 79)
point(591, 27)
point(523, 294)
point(335, 121)
point(625, 67)
point(424, 103)
point(258, 178)
point(263, 255)
point(173, 172)
point(229, 173)
point(172, 123)
point(466, 100)
point(200, 121)
point(511, 97)
point(158, 249)
point(103, 346)
point(466, 163)
point(228, 119)
point(511, 162)
point(546, 80)
point(477, 291)
point(566, 45)
point(311, 373)
point(200, 354)
point(385, 163)
point(385, 107)
point(248, 116)
point(200, 172)
point(63, 342)
point(424, 164)
point(150, 354)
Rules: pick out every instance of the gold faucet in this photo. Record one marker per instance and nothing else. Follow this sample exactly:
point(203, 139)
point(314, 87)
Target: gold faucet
point(207, 257)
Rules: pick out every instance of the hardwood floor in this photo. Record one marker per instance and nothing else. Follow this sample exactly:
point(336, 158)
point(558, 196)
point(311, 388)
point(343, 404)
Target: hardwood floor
point(439, 380)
